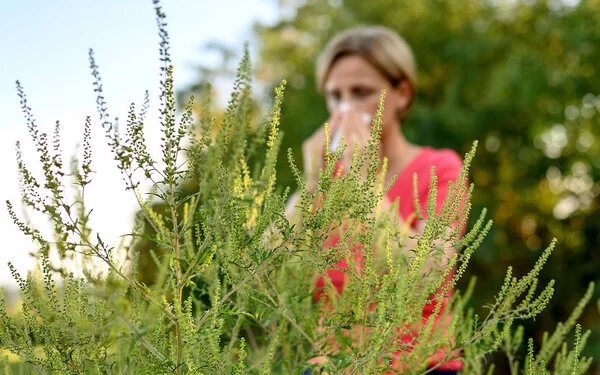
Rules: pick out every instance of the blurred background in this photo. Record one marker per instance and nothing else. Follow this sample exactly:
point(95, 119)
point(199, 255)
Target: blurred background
point(520, 76)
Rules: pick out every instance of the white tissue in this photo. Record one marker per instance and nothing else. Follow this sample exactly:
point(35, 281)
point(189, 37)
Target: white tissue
point(337, 136)
point(367, 118)
point(335, 140)
point(344, 107)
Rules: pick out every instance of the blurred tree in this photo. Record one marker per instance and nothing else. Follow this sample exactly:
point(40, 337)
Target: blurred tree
point(520, 76)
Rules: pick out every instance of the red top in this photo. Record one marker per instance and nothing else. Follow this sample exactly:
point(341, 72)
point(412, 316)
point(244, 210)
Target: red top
point(447, 167)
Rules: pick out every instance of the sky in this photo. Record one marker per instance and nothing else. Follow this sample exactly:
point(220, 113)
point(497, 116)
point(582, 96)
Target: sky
point(45, 45)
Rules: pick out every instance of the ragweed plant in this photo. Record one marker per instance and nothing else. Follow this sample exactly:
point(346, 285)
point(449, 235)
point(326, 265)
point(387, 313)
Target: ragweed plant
point(233, 279)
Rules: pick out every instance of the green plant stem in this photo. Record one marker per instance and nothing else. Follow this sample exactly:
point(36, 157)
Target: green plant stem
point(178, 273)
point(143, 340)
point(237, 286)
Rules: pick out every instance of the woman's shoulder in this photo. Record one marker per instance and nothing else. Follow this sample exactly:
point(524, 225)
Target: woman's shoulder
point(440, 158)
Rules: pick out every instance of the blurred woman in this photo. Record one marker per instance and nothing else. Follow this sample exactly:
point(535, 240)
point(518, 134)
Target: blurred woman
point(351, 72)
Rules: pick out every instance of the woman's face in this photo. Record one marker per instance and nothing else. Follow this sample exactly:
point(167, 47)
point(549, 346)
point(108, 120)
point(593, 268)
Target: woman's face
point(353, 81)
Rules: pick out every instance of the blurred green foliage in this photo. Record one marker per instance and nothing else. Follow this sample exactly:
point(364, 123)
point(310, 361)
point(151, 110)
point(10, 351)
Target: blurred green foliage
point(521, 77)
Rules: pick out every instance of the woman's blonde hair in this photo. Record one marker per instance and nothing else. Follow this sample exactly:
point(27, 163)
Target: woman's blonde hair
point(383, 48)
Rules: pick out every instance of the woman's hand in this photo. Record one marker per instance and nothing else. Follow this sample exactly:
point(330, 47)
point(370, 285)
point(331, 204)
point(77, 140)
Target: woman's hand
point(351, 125)
point(354, 129)
point(313, 151)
